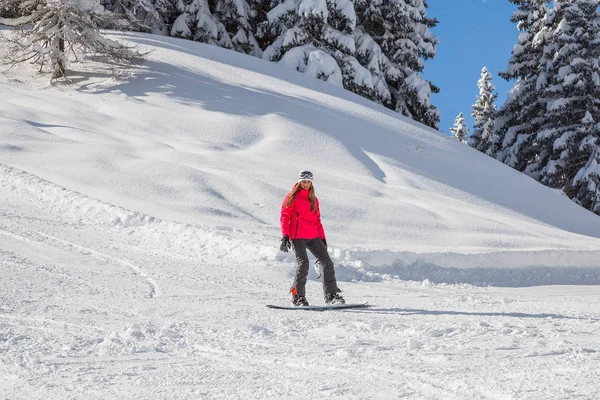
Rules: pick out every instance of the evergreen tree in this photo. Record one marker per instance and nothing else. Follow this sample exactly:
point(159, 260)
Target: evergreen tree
point(48, 31)
point(267, 30)
point(569, 133)
point(153, 16)
point(484, 113)
point(460, 130)
point(402, 31)
point(586, 184)
point(369, 54)
point(317, 37)
point(197, 21)
point(236, 15)
point(167, 9)
point(380, 58)
point(368, 36)
point(519, 117)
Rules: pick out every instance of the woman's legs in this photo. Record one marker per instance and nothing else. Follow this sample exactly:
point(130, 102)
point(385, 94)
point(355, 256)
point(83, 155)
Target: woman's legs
point(299, 285)
point(319, 250)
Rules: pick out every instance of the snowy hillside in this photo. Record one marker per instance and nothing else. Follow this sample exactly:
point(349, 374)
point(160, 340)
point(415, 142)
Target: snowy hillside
point(139, 234)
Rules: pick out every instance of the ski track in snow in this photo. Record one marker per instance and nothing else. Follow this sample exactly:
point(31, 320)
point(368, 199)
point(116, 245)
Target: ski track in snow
point(94, 308)
point(38, 237)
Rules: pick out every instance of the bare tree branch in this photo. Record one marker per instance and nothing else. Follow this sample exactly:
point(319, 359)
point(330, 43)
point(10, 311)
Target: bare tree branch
point(46, 31)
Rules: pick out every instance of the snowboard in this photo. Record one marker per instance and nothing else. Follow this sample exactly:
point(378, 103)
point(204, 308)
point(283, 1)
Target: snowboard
point(320, 308)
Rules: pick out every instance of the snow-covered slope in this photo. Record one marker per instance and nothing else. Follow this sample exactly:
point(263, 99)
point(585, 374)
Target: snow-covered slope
point(200, 135)
point(139, 233)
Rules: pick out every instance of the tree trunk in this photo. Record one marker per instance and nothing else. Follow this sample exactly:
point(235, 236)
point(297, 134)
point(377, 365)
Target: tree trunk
point(59, 65)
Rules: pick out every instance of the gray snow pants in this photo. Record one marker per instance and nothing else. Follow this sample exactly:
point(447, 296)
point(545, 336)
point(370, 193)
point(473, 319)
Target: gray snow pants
point(318, 249)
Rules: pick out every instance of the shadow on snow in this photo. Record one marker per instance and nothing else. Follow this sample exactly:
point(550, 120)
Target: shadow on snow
point(417, 311)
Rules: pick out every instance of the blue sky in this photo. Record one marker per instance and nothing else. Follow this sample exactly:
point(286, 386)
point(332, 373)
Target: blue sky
point(472, 34)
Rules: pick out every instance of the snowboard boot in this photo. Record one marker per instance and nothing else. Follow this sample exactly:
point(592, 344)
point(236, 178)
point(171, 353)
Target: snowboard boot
point(334, 298)
point(299, 301)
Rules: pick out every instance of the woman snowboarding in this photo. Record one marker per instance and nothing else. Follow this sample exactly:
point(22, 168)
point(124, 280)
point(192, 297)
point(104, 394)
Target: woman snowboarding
point(301, 224)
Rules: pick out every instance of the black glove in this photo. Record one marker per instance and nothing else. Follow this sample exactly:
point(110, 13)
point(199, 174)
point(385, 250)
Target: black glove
point(285, 244)
point(324, 242)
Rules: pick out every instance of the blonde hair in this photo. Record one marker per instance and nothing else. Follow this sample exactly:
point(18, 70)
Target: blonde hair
point(311, 196)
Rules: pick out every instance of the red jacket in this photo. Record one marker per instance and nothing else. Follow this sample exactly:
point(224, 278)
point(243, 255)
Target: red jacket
point(298, 221)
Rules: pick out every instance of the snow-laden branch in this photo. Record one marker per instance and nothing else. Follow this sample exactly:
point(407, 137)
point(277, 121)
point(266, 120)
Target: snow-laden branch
point(52, 29)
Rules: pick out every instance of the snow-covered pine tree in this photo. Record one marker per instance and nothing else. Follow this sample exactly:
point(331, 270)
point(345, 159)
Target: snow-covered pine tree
point(223, 23)
point(236, 16)
point(460, 130)
point(153, 16)
point(484, 113)
point(570, 132)
point(317, 37)
point(167, 9)
point(267, 30)
point(401, 29)
point(519, 117)
point(197, 21)
point(368, 51)
point(369, 54)
point(585, 189)
point(49, 30)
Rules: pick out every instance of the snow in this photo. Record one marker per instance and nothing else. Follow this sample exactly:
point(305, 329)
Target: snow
point(540, 37)
point(570, 79)
point(564, 71)
point(361, 76)
point(316, 8)
point(428, 45)
point(346, 8)
point(420, 86)
point(281, 9)
point(590, 140)
point(139, 234)
point(334, 36)
point(562, 142)
point(295, 58)
point(292, 36)
point(180, 26)
point(518, 49)
point(596, 78)
point(563, 27)
point(208, 25)
point(591, 168)
point(313, 62)
point(556, 104)
point(321, 65)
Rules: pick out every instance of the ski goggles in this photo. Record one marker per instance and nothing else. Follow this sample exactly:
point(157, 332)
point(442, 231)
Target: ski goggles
point(305, 176)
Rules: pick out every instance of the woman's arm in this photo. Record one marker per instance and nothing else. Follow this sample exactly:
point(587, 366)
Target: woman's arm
point(286, 217)
point(319, 224)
